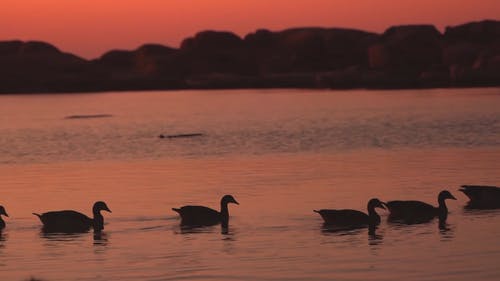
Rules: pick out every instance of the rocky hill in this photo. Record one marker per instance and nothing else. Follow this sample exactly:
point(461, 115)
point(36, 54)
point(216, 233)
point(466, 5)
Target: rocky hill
point(410, 56)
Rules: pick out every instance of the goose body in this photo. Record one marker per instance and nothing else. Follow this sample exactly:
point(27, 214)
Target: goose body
point(69, 221)
point(347, 217)
point(204, 216)
point(4, 213)
point(482, 196)
point(412, 211)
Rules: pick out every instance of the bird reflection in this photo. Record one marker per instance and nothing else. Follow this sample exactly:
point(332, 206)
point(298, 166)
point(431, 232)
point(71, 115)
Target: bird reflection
point(403, 221)
point(100, 238)
point(327, 228)
point(61, 236)
point(347, 230)
point(475, 205)
point(224, 230)
point(446, 230)
point(443, 226)
point(189, 229)
point(373, 237)
point(421, 220)
point(3, 238)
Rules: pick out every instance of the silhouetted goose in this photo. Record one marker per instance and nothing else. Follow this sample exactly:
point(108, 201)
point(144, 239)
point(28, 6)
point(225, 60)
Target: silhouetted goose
point(348, 217)
point(204, 216)
point(417, 211)
point(71, 221)
point(2, 212)
point(481, 196)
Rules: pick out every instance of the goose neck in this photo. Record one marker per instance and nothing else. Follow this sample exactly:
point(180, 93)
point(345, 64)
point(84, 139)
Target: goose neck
point(442, 206)
point(98, 221)
point(224, 209)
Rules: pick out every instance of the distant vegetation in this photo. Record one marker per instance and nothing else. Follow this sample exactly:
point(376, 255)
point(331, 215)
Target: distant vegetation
point(411, 56)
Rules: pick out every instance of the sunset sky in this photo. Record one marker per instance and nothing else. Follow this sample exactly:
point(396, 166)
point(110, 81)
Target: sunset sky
point(90, 27)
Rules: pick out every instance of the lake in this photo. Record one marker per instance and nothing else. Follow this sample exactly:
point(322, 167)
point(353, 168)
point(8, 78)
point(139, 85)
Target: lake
point(280, 153)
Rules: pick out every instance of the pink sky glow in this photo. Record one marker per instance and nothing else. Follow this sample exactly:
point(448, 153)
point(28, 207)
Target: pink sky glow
point(91, 27)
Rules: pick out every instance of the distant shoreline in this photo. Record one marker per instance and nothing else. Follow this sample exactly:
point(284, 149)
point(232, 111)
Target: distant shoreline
point(230, 89)
point(403, 57)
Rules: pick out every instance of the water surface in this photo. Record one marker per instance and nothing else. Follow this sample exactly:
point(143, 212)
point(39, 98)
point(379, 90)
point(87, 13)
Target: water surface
point(281, 153)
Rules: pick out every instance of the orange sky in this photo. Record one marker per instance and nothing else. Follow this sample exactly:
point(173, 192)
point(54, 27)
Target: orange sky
point(91, 27)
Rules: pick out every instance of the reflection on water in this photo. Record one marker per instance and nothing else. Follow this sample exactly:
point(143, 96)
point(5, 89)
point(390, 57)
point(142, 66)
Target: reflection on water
point(187, 229)
point(474, 212)
point(283, 153)
point(446, 230)
point(343, 230)
point(374, 237)
point(63, 237)
point(3, 238)
point(217, 228)
point(101, 238)
point(482, 206)
point(423, 219)
point(243, 122)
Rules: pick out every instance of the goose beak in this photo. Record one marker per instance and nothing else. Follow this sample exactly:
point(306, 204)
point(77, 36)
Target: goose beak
point(107, 209)
point(383, 205)
point(452, 197)
point(235, 202)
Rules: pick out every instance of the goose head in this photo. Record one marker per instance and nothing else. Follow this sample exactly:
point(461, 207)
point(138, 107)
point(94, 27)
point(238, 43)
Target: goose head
point(226, 199)
point(3, 212)
point(100, 206)
point(375, 203)
point(445, 194)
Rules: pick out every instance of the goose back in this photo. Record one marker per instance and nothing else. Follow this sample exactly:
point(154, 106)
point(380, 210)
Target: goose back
point(400, 208)
point(348, 217)
point(412, 211)
point(481, 196)
point(344, 217)
point(69, 221)
point(198, 215)
point(65, 221)
point(204, 216)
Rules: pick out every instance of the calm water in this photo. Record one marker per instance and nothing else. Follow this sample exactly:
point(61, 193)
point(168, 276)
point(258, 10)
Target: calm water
point(281, 153)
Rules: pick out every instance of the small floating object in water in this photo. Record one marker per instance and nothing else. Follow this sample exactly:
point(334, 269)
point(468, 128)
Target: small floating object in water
point(180, 136)
point(411, 212)
point(204, 216)
point(353, 218)
point(2, 222)
point(69, 221)
point(482, 196)
point(88, 116)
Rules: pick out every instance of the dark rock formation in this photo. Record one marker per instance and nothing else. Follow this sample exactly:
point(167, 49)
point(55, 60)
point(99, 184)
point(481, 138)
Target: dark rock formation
point(472, 52)
point(150, 66)
point(211, 52)
point(410, 56)
point(40, 67)
point(484, 33)
point(309, 49)
point(411, 48)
